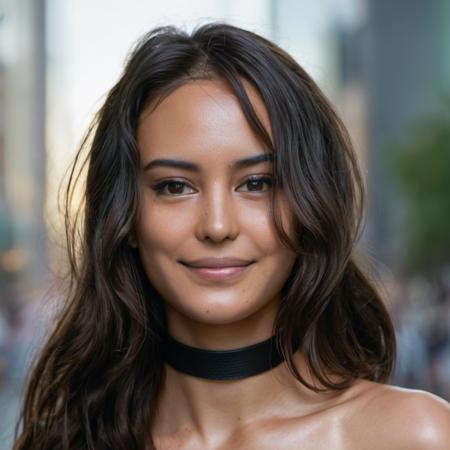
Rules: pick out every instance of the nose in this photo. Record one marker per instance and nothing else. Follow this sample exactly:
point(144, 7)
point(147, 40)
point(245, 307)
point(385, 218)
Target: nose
point(217, 218)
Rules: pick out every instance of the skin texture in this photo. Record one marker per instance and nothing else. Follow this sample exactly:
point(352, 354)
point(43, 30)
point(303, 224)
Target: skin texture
point(217, 214)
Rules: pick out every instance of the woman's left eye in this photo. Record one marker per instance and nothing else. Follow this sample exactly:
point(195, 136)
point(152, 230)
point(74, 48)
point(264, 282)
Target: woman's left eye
point(258, 181)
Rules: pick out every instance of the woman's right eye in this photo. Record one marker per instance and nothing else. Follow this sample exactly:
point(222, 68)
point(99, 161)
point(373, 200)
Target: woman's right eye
point(175, 187)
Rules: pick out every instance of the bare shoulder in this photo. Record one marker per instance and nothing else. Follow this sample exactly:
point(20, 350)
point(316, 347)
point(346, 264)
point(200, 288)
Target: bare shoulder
point(403, 418)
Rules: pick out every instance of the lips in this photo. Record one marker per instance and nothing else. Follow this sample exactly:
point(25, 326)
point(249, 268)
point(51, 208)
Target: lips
point(218, 273)
point(217, 263)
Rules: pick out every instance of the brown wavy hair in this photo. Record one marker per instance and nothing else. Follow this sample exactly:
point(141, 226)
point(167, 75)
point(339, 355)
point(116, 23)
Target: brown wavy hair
point(95, 383)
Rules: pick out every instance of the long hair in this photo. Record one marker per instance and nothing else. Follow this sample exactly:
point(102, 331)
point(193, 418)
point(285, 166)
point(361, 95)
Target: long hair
point(95, 383)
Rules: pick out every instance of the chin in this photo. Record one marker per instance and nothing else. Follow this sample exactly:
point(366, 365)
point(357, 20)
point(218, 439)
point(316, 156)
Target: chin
point(220, 312)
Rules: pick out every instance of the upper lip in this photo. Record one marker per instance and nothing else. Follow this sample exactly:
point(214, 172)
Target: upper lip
point(217, 262)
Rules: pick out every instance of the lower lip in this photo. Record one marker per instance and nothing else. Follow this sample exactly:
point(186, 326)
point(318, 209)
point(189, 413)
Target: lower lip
point(219, 274)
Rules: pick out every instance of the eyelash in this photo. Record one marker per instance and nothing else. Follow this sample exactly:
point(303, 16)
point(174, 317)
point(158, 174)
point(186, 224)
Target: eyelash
point(159, 187)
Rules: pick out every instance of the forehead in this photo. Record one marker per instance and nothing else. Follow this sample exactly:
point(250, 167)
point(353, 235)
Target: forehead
point(201, 119)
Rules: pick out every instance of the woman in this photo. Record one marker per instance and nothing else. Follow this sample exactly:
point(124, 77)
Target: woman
point(215, 300)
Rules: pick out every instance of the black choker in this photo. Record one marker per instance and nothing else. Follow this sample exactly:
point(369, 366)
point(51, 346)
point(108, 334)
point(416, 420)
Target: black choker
point(222, 364)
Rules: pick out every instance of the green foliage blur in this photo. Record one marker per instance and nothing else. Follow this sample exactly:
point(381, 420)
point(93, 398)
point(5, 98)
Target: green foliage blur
point(420, 166)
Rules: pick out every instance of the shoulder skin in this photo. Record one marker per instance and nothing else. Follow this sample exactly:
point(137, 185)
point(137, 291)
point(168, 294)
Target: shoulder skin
point(409, 419)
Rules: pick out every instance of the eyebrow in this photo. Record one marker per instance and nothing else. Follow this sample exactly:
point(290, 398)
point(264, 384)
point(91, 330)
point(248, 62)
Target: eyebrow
point(187, 165)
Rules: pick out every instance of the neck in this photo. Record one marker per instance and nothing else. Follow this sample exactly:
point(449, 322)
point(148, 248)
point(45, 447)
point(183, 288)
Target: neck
point(220, 408)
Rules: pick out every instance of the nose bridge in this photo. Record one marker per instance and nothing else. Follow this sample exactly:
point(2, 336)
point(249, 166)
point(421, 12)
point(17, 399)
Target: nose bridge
point(217, 218)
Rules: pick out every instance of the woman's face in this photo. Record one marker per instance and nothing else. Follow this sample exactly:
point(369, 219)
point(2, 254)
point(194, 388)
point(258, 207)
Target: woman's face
point(211, 210)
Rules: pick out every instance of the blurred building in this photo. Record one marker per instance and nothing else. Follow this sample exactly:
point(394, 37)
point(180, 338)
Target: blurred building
point(407, 69)
point(22, 141)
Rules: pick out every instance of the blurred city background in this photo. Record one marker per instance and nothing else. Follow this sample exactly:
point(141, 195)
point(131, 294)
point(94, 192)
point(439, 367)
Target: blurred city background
point(385, 65)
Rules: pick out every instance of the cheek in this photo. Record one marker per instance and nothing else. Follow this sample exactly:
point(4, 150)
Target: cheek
point(261, 225)
point(160, 234)
point(161, 227)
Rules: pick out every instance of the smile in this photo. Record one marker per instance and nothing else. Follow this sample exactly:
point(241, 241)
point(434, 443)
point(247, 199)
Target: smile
point(218, 273)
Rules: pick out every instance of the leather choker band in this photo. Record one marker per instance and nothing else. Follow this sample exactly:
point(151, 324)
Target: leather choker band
point(222, 364)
